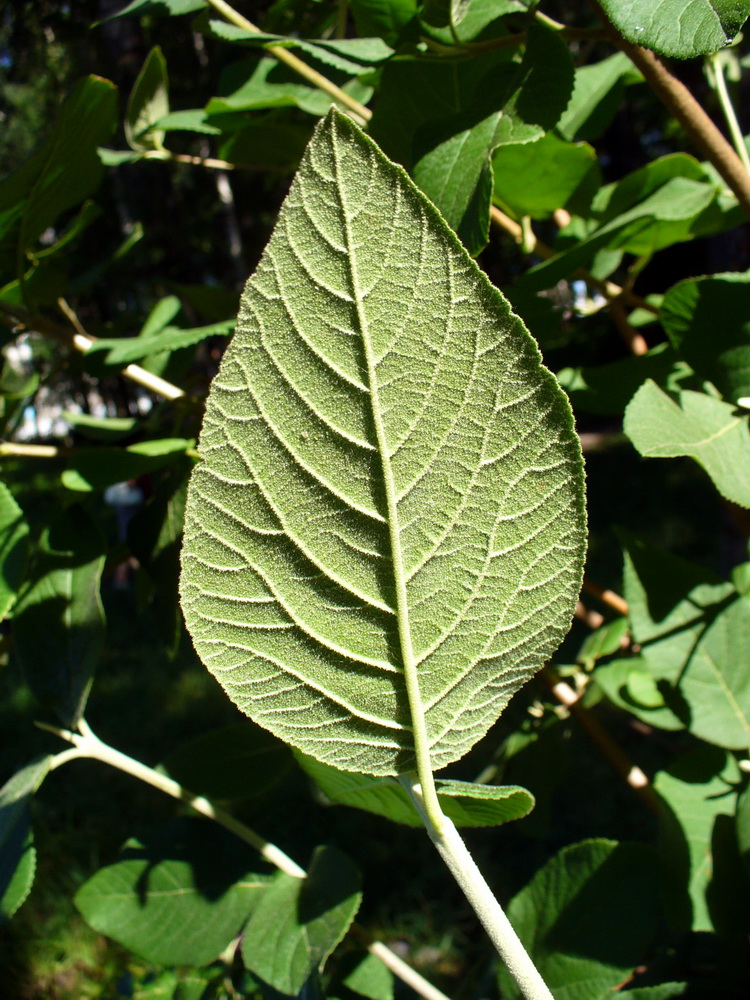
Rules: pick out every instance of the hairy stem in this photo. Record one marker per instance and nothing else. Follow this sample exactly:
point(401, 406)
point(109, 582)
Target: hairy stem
point(462, 866)
point(678, 100)
point(359, 111)
point(87, 744)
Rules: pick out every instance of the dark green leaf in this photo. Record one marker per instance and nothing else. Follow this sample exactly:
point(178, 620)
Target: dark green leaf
point(603, 642)
point(588, 917)
point(368, 977)
point(177, 898)
point(58, 626)
point(298, 922)
point(96, 468)
point(266, 143)
point(101, 428)
point(471, 15)
point(14, 545)
point(694, 633)
point(719, 352)
point(237, 762)
point(597, 93)
point(193, 120)
point(17, 858)
point(386, 19)
point(676, 28)
point(61, 174)
point(173, 8)
point(712, 432)
point(148, 102)
point(466, 804)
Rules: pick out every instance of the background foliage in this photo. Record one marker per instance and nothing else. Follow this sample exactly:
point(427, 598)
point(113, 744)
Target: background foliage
point(146, 156)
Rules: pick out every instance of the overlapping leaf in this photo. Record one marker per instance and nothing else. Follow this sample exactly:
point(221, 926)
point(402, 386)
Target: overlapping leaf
point(390, 482)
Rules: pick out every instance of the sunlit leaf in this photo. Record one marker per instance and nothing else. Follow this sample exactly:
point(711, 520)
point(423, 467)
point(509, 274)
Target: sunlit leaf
point(676, 28)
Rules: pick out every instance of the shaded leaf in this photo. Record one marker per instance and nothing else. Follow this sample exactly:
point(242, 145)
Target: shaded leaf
point(190, 120)
point(597, 93)
point(332, 507)
point(369, 977)
point(172, 8)
point(464, 803)
point(298, 922)
point(178, 897)
point(695, 424)
point(96, 468)
point(587, 917)
point(147, 103)
point(694, 633)
point(125, 350)
point(678, 29)
point(14, 547)
point(58, 626)
point(17, 856)
point(630, 684)
point(386, 19)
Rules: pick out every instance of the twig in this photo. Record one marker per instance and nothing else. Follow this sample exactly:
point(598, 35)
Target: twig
point(293, 62)
point(9, 448)
point(591, 618)
point(634, 341)
point(87, 744)
point(678, 100)
point(608, 597)
point(83, 342)
point(717, 70)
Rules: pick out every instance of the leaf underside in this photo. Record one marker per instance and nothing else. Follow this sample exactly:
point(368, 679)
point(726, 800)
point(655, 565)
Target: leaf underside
point(391, 484)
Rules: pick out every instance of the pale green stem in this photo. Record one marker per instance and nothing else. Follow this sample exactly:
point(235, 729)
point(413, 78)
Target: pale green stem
point(87, 744)
point(312, 76)
point(462, 866)
point(727, 107)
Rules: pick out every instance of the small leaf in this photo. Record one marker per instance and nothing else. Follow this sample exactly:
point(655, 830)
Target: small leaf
point(298, 922)
point(192, 120)
point(386, 19)
point(369, 978)
point(390, 480)
point(125, 350)
point(719, 352)
point(148, 102)
point(706, 429)
point(603, 642)
point(695, 791)
point(101, 428)
point(678, 29)
point(694, 633)
point(17, 857)
point(236, 762)
point(14, 546)
point(625, 682)
point(178, 898)
point(464, 803)
point(58, 626)
point(587, 918)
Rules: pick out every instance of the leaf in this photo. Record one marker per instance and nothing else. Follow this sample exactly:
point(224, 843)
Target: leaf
point(603, 642)
point(390, 480)
point(17, 856)
point(676, 28)
point(695, 791)
point(443, 120)
point(537, 178)
point(266, 144)
point(101, 428)
point(630, 684)
point(58, 625)
point(96, 468)
point(695, 424)
point(61, 174)
point(597, 94)
point(694, 633)
point(386, 19)
point(743, 828)
point(148, 102)
point(172, 8)
point(236, 762)
point(177, 898)
point(14, 545)
point(299, 922)
point(189, 120)
point(587, 917)
point(719, 352)
point(464, 803)
point(369, 977)
point(472, 16)
point(125, 350)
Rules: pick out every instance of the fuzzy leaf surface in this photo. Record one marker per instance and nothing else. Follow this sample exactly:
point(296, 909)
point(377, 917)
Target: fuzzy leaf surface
point(390, 485)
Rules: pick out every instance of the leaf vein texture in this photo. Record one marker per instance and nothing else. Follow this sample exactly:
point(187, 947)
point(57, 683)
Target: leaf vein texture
point(386, 533)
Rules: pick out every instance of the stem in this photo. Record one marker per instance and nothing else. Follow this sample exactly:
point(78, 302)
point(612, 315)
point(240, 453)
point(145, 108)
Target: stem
point(86, 744)
point(462, 866)
point(312, 76)
point(8, 448)
point(678, 100)
point(83, 342)
point(716, 66)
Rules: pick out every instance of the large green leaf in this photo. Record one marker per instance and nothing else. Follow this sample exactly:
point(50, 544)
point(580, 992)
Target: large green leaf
point(299, 922)
point(597, 94)
point(177, 898)
point(587, 918)
point(707, 429)
point(676, 27)
point(386, 19)
point(694, 633)
point(58, 625)
point(148, 102)
point(17, 857)
point(14, 543)
point(719, 352)
point(390, 485)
